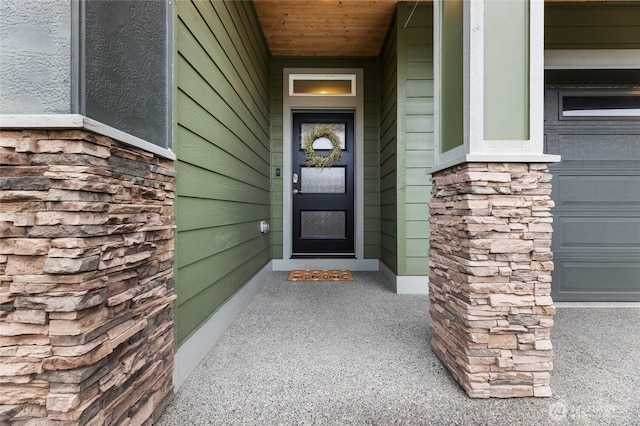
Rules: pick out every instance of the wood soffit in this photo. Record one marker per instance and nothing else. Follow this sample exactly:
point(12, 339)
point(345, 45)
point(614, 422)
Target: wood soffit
point(332, 27)
point(325, 27)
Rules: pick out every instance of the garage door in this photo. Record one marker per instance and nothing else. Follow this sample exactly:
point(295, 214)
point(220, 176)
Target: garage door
point(596, 190)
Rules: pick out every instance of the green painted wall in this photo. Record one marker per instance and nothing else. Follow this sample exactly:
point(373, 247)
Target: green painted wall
point(223, 154)
point(371, 128)
point(593, 25)
point(451, 76)
point(406, 139)
point(228, 139)
point(415, 136)
point(506, 70)
point(389, 149)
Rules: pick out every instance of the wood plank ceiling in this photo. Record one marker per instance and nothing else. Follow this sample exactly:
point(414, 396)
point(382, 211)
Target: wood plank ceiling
point(325, 27)
point(333, 27)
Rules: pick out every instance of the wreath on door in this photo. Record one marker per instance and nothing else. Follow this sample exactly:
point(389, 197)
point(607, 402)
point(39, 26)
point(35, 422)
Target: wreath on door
point(312, 157)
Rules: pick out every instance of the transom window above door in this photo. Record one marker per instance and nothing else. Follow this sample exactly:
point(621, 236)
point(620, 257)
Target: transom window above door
point(322, 85)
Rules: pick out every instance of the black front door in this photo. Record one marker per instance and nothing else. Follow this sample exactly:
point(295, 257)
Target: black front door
point(323, 218)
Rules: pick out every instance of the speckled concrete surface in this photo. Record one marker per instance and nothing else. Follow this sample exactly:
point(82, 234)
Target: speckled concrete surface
point(356, 353)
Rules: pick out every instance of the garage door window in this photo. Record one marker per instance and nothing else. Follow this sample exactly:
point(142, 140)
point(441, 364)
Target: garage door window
point(607, 105)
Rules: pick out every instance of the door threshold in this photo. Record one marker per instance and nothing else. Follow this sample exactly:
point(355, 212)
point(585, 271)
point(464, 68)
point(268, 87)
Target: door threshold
point(353, 264)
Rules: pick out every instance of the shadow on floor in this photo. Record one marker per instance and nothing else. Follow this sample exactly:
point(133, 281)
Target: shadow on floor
point(356, 353)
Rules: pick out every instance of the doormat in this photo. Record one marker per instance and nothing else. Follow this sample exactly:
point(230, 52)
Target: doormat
point(320, 275)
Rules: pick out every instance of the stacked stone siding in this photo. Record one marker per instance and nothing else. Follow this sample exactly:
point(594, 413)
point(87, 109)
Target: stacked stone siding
point(490, 277)
point(86, 300)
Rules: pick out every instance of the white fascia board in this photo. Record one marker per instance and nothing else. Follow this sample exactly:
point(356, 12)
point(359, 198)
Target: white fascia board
point(563, 59)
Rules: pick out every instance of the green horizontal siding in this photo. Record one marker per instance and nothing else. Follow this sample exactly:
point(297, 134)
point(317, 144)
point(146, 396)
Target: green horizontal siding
point(371, 129)
point(371, 155)
point(415, 136)
point(223, 154)
point(592, 26)
point(389, 148)
point(276, 132)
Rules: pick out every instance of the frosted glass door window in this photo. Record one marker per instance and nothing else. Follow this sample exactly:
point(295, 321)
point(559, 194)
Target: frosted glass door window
point(323, 180)
point(323, 224)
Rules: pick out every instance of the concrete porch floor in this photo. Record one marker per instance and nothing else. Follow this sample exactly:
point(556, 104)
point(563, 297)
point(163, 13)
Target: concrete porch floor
point(356, 353)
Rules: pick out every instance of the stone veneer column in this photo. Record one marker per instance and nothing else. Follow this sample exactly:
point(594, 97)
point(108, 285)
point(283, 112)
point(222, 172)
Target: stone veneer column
point(490, 277)
point(86, 303)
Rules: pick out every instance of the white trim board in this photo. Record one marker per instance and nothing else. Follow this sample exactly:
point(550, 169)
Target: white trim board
point(617, 305)
point(474, 145)
point(565, 59)
point(405, 284)
point(320, 103)
point(77, 121)
point(474, 52)
point(193, 351)
point(351, 264)
point(412, 284)
point(501, 158)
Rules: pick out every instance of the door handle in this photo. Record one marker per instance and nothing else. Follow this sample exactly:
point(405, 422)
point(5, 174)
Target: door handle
point(297, 191)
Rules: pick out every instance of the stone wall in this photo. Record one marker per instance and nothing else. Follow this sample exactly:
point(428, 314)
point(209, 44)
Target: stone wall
point(86, 302)
point(490, 277)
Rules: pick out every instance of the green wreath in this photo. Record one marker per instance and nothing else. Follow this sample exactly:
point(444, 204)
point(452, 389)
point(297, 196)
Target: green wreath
point(314, 159)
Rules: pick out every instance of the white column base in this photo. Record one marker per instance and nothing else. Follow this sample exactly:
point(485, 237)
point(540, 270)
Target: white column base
point(405, 284)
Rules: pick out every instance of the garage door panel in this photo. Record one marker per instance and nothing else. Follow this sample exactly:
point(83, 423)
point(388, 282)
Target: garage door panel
point(598, 280)
point(598, 232)
point(576, 147)
point(597, 189)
